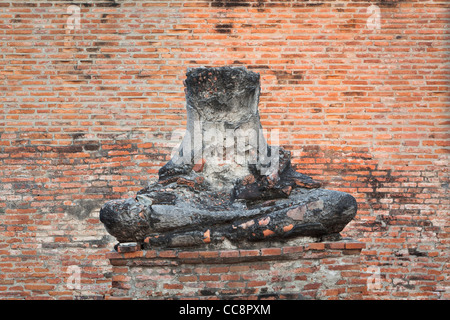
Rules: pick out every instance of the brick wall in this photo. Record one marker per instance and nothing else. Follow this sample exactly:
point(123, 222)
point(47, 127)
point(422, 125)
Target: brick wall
point(91, 94)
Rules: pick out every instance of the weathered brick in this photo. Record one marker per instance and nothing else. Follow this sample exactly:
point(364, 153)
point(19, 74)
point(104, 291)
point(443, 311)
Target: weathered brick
point(150, 253)
point(290, 250)
point(209, 254)
point(173, 286)
point(188, 254)
point(130, 255)
point(315, 246)
point(335, 245)
point(187, 279)
point(39, 287)
point(167, 254)
point(229, 254)
point(271, 251)
point(221, 269)
point(355, 245)
point(249, 253)
point(209, 278)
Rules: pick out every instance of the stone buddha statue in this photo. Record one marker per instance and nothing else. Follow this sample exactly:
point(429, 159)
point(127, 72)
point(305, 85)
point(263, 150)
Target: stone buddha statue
point(225, 184)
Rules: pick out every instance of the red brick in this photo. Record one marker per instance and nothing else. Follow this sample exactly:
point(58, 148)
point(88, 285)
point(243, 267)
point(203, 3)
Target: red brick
point(39, 287)
point(150, 254)
point(167, 254)
point(229, 254)
point(260, 266)
point(113, 255)
point(251, 284)
point(230, 277)
point(118, 270)
point(121, 278)
point(249, 253)
point(188, 254)
point(219, 269)
point(335, 245)
point(355, 245)
point(271, 251)
point(236, 284)
point(172, 286)
point(209, 254)
point(187, 279)
point(239, 268)
point(130, 255)
point(209, 278)
point(288, 250)
point(310, 286)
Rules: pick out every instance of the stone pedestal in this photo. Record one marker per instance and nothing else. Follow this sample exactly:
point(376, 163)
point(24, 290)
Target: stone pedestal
point(321, 270)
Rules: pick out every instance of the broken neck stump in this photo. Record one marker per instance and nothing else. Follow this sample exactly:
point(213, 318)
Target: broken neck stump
point(225, 184)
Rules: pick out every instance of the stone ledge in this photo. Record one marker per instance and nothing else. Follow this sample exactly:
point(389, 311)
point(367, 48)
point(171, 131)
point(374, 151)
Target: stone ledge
point(128, 253)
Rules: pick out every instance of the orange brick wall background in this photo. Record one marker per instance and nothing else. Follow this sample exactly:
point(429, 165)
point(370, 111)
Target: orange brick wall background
point(92, 94)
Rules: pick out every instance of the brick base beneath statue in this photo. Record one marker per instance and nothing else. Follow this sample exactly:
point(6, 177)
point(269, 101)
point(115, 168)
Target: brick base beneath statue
point(325, 270)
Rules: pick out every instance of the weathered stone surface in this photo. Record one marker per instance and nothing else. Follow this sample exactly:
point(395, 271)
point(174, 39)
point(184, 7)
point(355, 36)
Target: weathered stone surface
point(226, 183)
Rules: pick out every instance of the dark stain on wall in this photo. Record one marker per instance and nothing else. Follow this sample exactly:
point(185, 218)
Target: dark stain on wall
point(230, 3)
point(76, 136)
point(68, 149)
point(288, 77)
point(314, 4)
point(91, 147)
point(308, 3)
point(388, 3)
point(223, 28)
point(83, 208)
point(104, 18)
point(111, 3)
